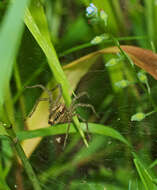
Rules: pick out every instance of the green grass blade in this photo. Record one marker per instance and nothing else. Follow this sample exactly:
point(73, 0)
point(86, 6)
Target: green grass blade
point(149, 17)
point(61, 129)
point(144, 175)
point(3, 185)
point(89, 44)
point(53, 61)
point(21, 154)
point(10, 36)
point(47, 47)
point(112, 21)
point(137, 20)
point(153, 164)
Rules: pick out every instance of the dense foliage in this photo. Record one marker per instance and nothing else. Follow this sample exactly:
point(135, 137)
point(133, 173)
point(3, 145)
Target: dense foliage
point(78, 44)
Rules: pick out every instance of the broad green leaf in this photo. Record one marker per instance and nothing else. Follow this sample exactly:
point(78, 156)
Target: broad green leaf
point(83, 153)
point(10, 36)
point(61, 129)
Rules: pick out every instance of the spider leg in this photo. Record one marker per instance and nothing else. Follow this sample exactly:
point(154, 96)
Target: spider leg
point(35, 106)
point(39, 86)
point(50, 99)
point(85, 105)
point(66, 136)
point(60, 93)
point(79, 96)
point(44, 89)
point(86, 123)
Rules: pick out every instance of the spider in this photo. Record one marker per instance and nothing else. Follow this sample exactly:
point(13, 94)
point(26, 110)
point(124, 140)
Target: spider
point(58, 112)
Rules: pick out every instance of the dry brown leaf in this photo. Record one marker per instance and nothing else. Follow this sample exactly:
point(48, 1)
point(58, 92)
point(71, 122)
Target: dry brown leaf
point(143, 58)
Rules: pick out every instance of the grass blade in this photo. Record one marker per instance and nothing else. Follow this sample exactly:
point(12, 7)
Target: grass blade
point(49, 50)
point(10, 36)
point(61, 129)
point(144, 175)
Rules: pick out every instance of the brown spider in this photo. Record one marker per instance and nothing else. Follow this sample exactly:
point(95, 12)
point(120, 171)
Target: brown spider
point(58, 112)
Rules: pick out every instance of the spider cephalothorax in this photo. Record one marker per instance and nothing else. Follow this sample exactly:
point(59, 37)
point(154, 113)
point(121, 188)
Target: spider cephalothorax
point(59, 113)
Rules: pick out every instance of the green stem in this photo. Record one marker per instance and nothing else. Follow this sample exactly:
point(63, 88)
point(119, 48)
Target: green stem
point(150, 113)
point(19, 88)
point(76, 48)
point(148, 91)
point(148, 88)
point(149, 17)
point(9, 105)
point(119, 15)
point(153, 46)
point(28, 168)
point(131, 62)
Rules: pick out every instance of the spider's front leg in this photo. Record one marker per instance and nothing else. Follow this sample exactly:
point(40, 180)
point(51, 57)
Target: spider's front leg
point(85, 105)
point(75, 105)
point(43, 88)
point(49, 99)
point(78, 97)
point(35, 106)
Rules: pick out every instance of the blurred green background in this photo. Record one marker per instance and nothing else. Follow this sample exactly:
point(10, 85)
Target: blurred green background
point(41, 44)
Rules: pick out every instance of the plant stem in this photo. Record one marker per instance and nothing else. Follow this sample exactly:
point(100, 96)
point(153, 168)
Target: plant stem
point(82, 46)
point(28, 168)
point(19, 88)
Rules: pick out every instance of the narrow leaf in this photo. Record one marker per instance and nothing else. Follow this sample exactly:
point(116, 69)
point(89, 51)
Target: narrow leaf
point(145, 176)
point(10, 36)
point(62, 128)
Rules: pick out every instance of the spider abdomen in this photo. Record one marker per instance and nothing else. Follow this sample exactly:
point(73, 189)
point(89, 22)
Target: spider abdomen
point(58, 115)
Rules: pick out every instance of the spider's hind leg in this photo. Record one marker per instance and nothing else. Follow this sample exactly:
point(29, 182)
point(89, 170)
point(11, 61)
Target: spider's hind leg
point(66, 136)
point(86, 123)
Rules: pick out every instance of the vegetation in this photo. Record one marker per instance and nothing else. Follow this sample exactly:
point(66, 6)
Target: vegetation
point(85, 46)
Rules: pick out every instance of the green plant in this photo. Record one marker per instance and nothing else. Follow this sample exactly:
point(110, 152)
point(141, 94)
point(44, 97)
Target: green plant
point(121, 153)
